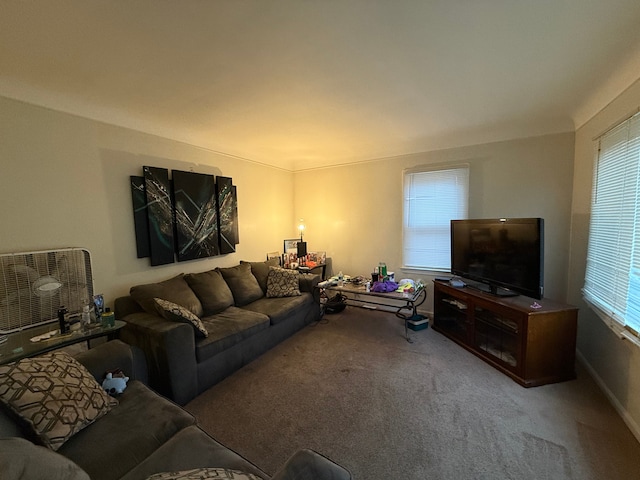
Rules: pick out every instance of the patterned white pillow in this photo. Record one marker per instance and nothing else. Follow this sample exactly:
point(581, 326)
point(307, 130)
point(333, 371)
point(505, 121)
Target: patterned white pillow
point(204, 474)
point(282, 282)
point(55, 394)
point(176, 313)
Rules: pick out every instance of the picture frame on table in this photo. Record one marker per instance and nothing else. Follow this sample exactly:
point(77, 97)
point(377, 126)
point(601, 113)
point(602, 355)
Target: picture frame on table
point(291, 245)
point(318, 257)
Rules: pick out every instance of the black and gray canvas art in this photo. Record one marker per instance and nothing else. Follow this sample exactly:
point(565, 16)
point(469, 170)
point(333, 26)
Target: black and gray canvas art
point(190, 216)
point(196, 215)
point(227, 214)
point(140, 216)
point(159, 215)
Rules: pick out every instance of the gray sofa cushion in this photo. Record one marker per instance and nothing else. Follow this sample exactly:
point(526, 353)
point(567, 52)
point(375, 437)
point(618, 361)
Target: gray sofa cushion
point(191, 448)
point(132, 431)
point(227, 329)
point(278, 309)
point(243, 284)
point(212, 290)
point(175, 290)
point(20, 459)
point(260, 270)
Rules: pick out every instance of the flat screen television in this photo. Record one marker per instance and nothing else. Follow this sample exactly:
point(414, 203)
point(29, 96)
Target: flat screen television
point(504, 255)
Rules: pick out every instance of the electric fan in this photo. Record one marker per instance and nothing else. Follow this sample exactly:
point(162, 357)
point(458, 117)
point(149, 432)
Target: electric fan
point(33, 285)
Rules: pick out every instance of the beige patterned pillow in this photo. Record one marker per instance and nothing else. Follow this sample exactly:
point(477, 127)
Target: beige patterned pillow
point(176, 313)
point(54, 394)
point(282, 282)
point(205, 474)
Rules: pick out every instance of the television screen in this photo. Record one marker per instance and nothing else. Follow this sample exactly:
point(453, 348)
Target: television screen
point(505, 255)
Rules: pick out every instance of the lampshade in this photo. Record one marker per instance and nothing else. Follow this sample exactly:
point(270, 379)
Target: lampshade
point(301, 228)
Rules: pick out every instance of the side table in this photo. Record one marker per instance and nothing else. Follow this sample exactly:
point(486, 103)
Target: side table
point(18, 345)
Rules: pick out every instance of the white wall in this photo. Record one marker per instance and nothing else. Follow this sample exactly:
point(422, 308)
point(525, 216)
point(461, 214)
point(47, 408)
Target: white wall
point(354, 212)
point(64, 182)
point(615, 363)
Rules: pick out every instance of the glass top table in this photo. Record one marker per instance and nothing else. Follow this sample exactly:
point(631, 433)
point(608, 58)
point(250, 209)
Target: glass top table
point(22, 344)
point(388, 299)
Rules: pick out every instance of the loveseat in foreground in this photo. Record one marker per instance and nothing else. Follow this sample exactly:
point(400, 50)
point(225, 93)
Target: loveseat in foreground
point(141, 433)
point(196, 329)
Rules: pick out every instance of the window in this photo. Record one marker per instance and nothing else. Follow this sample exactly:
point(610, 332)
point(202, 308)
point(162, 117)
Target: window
point(612, 281)
point(432, 198)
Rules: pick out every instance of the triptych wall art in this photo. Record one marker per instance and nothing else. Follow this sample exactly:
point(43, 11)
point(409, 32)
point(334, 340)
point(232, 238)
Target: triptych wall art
point(190, 216)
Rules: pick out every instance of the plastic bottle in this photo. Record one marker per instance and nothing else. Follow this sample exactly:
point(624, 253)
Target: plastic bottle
point(382, 269)
point(86, 316)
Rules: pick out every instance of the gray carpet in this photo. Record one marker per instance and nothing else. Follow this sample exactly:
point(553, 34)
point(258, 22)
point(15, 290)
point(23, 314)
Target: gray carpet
point(356, 391)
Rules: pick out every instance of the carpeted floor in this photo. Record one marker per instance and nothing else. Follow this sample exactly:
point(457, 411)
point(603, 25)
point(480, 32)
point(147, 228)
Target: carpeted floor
point(355, 390)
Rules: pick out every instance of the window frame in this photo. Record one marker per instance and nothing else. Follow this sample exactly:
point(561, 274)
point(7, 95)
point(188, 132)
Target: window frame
point(408, 230)
point(616, 166)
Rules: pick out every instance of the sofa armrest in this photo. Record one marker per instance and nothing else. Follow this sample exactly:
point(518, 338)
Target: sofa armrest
point(308, 282)
point(170, 350)
point(310, 465)
point(115, 355)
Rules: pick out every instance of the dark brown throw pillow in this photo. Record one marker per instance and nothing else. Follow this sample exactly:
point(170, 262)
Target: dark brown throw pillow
point(243, 284)
point(212, 291)
point(175, 290)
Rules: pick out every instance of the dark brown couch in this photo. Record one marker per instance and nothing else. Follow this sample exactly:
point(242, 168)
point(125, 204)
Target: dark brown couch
point(241, 320)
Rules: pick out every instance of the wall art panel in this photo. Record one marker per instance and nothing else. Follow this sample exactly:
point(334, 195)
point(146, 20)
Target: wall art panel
point(140, 220)
point(196, 215)
point(159, 215)
point(227, 214)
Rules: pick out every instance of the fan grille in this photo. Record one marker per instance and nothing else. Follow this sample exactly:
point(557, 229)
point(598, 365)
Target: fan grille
point(33, 285)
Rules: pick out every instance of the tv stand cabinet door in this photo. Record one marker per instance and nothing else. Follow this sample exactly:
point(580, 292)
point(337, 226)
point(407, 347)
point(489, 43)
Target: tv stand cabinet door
point(550, 353)
point(452, 314)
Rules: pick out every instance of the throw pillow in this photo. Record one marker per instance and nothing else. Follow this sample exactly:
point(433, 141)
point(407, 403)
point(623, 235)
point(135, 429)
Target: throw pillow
point(282, 282)
point(212, 290)
point(175, 290)
point(205, 473)
point(260, 270)
point(54, 394)
point(20, 459)
point(243, 284)
point(176, 313)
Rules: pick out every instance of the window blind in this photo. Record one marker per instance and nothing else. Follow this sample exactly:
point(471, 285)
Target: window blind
point(432, 198)
point(612, 280)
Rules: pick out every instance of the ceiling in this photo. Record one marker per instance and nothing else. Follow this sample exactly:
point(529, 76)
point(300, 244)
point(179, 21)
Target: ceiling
point(301, 84)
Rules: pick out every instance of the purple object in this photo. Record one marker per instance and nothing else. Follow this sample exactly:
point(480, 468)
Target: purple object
point(384, 287)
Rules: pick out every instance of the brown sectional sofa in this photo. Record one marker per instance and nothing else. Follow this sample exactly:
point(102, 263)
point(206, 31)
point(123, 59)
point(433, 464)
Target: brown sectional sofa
point(245, 310)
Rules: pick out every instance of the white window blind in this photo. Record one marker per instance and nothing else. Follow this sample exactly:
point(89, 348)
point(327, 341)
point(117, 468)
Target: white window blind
point(432, 198)
point(612, 282)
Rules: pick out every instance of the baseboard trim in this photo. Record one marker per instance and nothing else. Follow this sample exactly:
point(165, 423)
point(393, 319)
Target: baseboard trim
point(626, 418)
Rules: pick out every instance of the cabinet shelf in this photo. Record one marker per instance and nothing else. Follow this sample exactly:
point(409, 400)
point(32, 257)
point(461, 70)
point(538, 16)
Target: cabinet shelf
point(532, 346)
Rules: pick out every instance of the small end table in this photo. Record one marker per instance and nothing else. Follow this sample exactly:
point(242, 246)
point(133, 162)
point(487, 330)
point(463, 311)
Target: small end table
point(18, 345)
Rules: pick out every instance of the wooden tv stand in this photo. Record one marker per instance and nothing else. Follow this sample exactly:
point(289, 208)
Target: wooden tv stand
point(532, 346)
